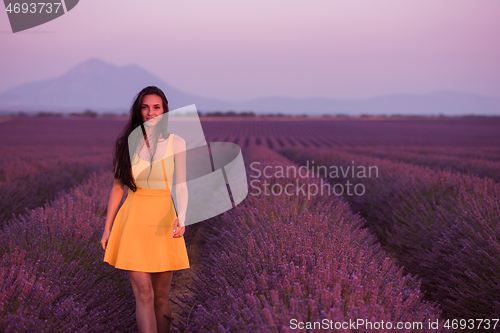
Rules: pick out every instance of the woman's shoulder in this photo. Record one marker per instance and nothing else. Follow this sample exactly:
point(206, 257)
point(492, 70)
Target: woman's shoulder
point(178, 143)
point(177, 139)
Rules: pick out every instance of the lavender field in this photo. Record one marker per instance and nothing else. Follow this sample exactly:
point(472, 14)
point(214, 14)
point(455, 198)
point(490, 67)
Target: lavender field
point(43, 156)
point(420, 244)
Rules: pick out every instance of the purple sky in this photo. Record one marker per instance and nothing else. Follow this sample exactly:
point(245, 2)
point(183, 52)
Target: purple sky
point(240, 49)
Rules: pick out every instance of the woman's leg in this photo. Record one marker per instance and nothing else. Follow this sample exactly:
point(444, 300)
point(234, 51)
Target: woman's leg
point(161, 287)
point(144, 301)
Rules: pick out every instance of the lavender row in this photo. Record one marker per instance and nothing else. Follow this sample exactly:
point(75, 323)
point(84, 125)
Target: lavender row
point(52, 278)
point(29, 177)
point(442, 226)
point(487, 153)
point(480, 164)
point(276, 258)
point(469, 134)
point(37, 188)
point(43, 156)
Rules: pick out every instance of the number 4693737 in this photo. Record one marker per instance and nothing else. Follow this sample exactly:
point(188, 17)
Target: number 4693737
point(471, 323)
point(33, 8)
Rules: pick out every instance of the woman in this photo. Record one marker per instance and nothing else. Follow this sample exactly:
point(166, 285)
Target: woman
point(147, 235)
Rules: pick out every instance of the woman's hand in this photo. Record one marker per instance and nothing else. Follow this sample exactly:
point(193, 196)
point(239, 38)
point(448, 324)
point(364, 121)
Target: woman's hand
point(178, 230)
point(104, 239)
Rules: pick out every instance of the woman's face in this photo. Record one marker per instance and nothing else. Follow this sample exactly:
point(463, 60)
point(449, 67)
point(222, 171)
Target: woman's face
point(152, 107)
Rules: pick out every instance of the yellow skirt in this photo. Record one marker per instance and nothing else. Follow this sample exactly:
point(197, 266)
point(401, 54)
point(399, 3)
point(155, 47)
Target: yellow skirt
point(140, 238)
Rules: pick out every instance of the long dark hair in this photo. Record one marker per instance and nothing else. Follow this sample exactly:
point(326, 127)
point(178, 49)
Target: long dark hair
point(121, 156)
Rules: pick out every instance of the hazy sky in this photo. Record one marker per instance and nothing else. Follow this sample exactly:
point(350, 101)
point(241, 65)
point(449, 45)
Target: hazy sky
point(240, 49)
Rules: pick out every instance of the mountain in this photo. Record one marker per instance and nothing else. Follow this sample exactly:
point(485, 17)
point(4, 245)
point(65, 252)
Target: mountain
point(96, 85)
point(441, 102)
point(103, 87)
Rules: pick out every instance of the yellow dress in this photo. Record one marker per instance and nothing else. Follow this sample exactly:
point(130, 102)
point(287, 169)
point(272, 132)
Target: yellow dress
point(140, 238)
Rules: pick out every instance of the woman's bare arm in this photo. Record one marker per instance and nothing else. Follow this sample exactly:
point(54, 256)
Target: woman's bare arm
point(181, 190)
